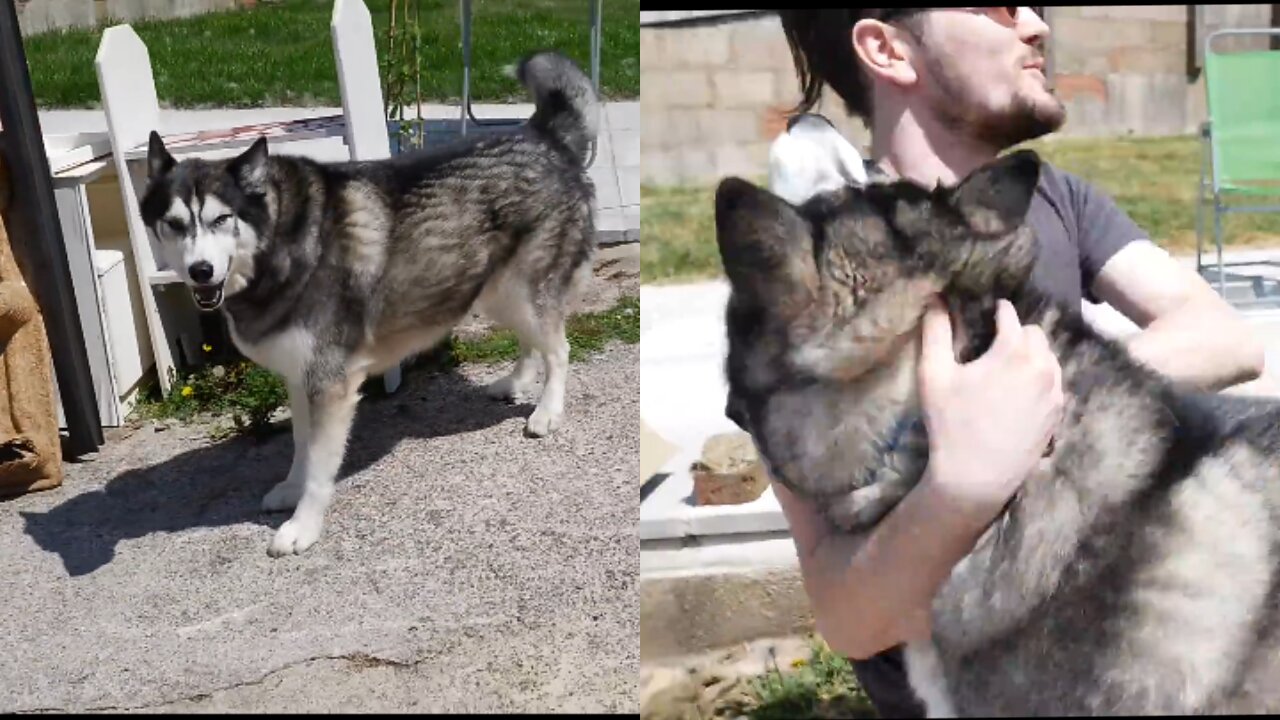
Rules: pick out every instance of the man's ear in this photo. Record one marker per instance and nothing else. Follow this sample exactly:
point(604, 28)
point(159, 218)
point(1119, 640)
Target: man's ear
point(883, 52)
point(159, 161)
point(994, 199)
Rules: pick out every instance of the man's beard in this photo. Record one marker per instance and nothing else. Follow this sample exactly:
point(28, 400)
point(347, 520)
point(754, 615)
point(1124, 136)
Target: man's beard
point(1020, 121)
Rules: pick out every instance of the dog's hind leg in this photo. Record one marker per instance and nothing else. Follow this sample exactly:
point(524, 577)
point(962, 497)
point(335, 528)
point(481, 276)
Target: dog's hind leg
point(517, 385)
point(331, 409)
point(553, 299)
point(539, 335)
point(540, 330)
point(506, 300)
point(554, 346)
point(287, 492)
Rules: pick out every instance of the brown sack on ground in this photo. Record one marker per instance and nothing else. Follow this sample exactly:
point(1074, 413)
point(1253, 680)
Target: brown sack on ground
point(30, 448)
point(729, 472)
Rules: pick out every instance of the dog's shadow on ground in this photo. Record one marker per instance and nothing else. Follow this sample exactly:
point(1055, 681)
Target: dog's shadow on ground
point(223, 484)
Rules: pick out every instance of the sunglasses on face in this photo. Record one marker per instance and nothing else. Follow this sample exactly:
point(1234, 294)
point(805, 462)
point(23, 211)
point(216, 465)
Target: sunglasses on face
point(1002, 15)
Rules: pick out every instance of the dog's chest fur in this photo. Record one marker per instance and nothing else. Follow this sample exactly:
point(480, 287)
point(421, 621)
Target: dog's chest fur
point(287, 352)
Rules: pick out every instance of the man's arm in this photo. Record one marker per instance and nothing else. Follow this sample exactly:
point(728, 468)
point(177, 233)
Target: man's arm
point(871, 592)
point(1189, 333)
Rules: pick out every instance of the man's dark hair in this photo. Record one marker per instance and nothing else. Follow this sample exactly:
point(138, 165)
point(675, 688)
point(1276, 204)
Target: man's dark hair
point(821, 44)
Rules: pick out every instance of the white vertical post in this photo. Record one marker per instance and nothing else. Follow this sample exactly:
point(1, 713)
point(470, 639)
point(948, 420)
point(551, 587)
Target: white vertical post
point(356, 56)
point(129, 101)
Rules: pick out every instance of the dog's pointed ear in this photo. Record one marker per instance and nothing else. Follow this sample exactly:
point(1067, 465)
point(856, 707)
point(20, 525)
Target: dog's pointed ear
point(994, 199)
point(766, 247)
point(159, 161)
point(250, 167)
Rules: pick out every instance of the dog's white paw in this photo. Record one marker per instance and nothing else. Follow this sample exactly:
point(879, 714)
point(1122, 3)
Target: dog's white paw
point(543, 422)
point(284, 496)
point(294, 537)
point(506, 389)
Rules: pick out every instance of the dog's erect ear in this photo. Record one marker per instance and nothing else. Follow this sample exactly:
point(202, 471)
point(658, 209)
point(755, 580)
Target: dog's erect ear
point(159, 161)
point(766, 247)
point(994, 199)
point(250, 167)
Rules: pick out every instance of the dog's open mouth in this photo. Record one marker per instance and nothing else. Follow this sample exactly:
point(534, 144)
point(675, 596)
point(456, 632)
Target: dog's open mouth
point(207, 297)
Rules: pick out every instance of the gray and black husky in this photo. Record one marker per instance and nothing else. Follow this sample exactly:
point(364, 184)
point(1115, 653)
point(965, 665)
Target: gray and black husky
point(1135, 572)
point(330, 273)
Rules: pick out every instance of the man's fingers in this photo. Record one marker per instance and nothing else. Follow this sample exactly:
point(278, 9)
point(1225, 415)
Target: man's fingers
point(1008, 327)
point(1036, 341)
point(1038, 348)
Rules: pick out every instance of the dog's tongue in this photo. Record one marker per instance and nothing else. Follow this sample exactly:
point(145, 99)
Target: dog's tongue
point(208, 297)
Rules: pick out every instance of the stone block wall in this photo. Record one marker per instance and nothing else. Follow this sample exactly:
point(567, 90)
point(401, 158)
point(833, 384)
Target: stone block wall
point(1128, 70)
point(715, 92)
point(713, 97)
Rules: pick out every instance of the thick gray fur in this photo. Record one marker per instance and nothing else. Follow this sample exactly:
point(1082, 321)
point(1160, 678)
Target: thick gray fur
point(330, 273)
point(1133, 573)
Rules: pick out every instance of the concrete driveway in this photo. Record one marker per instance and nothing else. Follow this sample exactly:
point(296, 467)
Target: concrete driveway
point(464, 567)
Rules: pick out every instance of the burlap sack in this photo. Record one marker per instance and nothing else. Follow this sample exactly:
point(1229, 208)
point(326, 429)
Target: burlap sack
point(30, 449)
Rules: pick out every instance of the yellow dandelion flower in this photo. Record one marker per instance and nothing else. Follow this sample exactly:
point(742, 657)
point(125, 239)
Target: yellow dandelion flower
point(207, 347)
point(799, 663)
point(186, 391)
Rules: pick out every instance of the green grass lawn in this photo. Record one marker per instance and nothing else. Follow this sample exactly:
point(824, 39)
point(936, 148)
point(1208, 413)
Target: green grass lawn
point(1154, 180)
point(280, 53)
point(677, 234)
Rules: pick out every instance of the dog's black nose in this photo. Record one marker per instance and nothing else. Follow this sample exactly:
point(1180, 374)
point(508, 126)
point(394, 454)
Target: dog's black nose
point(201, 271)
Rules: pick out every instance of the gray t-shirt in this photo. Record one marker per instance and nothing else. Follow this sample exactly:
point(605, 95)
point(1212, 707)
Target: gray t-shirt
point(1079, 228)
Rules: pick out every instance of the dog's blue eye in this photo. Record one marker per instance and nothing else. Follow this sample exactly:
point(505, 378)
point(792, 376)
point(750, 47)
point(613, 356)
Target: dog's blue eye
point(219, 221)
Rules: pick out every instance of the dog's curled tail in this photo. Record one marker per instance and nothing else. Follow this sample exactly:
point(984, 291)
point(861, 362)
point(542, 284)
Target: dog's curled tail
point(567, 107)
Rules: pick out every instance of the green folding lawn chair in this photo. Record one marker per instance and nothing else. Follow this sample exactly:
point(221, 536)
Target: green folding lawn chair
point(1241, 143)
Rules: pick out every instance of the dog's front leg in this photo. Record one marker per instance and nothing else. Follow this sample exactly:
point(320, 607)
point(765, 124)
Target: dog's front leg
point(331, 408)
point(286, 494)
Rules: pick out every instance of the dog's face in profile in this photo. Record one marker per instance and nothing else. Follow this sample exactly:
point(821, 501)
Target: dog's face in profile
point(208, 217)
point(827, 298)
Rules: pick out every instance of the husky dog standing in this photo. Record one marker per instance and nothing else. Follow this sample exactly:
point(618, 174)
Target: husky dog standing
point(329, 273)
point(1134, 573)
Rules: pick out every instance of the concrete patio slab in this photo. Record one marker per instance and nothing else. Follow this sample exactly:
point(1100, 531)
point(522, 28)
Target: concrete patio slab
point(464, 567)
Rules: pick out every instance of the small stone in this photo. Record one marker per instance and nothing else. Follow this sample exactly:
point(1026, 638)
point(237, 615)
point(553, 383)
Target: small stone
point(729, 471)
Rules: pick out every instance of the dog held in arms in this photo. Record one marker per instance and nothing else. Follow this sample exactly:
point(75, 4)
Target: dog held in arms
point(1133, 573)
point(330, 273)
